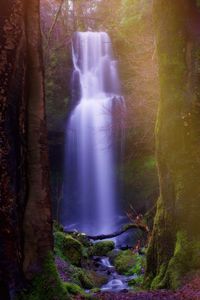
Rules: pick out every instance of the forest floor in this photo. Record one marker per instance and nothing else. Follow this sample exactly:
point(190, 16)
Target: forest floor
point(80, 265)
point(190, 291)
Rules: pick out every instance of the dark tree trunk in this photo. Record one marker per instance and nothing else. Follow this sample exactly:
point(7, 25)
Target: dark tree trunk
point(21, 152)
point(13, 133)
point(173, 251)
point(38, 220)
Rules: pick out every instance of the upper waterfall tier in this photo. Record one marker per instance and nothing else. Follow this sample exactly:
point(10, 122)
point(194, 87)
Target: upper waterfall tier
point(93, 62)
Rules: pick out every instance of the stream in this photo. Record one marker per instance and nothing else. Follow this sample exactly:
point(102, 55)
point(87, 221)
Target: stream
point(116, 282)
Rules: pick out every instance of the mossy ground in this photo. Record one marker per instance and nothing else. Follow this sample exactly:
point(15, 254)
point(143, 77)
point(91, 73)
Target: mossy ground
point(47, 285)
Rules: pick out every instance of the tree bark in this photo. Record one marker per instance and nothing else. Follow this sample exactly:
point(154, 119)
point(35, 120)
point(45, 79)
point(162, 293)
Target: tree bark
point(176, 236)
point(25, 211)
point(37, 219)
point(12, 148)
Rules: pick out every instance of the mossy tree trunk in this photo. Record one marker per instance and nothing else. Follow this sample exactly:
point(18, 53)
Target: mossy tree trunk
point(25, 213)
point(37, 220)
point(173, 250)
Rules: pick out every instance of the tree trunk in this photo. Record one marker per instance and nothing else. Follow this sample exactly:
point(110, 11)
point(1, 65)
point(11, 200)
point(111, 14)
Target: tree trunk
point(173, 250)
point(12, 144)
point(25, 214)
point(38, 220)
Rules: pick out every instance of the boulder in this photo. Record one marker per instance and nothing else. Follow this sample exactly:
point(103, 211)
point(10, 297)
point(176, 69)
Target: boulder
point(102, 248)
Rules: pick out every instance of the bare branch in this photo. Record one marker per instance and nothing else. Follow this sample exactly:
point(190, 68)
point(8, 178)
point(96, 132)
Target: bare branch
point(125, 228)
point(54, 21)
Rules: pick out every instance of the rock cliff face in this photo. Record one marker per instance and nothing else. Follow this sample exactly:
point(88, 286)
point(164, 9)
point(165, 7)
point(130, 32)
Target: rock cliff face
point(176, 237)
point(25, 214)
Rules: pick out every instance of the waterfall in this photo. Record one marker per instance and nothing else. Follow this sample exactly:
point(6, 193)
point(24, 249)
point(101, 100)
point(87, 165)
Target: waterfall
point(90, 183)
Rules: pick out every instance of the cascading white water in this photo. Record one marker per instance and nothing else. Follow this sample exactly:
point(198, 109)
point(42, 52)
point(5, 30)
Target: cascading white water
point(90, 187)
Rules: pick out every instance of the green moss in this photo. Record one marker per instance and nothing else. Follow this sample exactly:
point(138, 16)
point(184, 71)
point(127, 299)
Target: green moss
point(98, 279)
point(159, 280)
point(95, 290)
point(57, 226)
point(68, 248)
point(73, 288)
point(124, 262)
point(82, 277)
point(186, 257)
point(47, 285)
point(136, 282)
point(73, 250)
point(139, 265)
point(102, 248)
point(59, 238)
point(82, 238)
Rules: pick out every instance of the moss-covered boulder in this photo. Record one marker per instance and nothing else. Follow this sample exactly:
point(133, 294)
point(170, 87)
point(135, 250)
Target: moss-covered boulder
point(95, 290)
point(82, 277)
point(124, 262)
point(87, 279)
point(98, 279)
point(83, 239)
point(73, 288)
point(102, 248)
point(68, 248)
point(73, 250)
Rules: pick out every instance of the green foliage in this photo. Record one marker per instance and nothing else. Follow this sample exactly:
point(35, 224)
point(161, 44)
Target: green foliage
point(136, 282)
point(139, 265)
point(47, 285)
point(124, 262)
point(129, 263)
point(102, 248)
